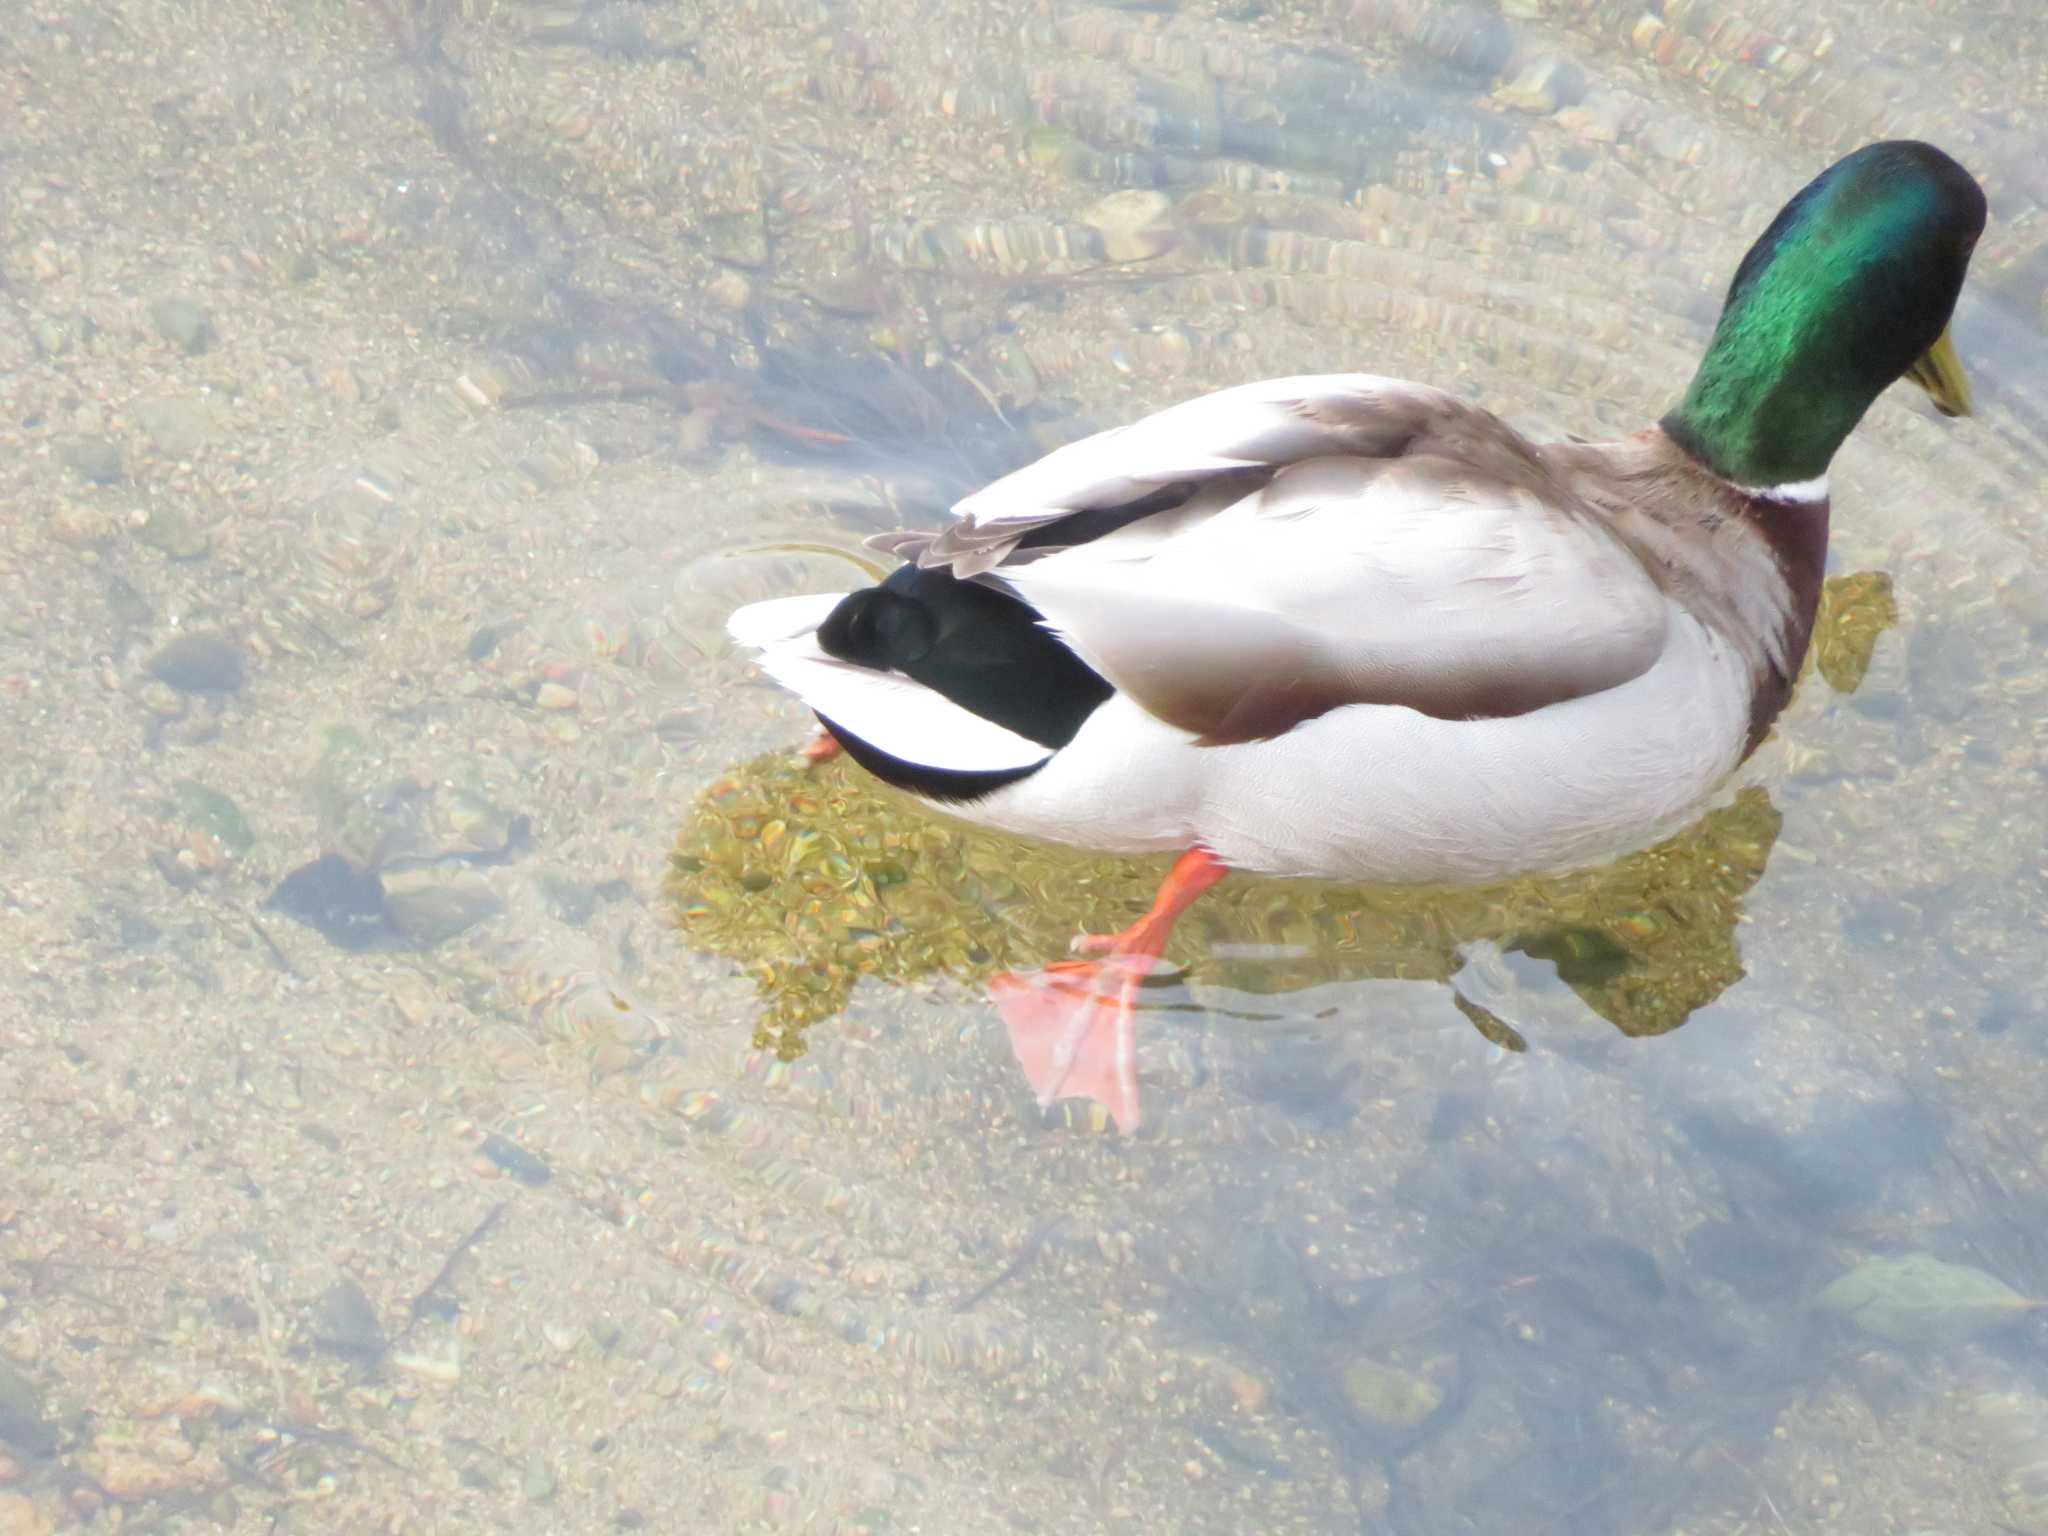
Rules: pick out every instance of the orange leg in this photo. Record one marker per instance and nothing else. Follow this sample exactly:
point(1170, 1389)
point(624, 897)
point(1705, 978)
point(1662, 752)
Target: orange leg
point(821, 748)
point(1073, 1025)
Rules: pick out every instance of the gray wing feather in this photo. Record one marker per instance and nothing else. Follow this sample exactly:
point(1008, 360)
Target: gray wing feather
point(1321, 541)
point(1414, 582)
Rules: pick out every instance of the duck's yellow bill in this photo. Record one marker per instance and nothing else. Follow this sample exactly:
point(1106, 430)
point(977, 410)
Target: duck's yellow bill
point(1941, 375)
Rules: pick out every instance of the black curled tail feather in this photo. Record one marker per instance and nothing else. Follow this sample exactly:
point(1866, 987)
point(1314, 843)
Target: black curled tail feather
point(982, 649)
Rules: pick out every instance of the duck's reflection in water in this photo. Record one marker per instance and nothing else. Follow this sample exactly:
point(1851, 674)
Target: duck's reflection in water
point(1543, 1283)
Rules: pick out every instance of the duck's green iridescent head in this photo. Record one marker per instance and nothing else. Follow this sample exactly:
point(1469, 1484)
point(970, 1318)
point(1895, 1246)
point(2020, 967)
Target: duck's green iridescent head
point(1848, 290)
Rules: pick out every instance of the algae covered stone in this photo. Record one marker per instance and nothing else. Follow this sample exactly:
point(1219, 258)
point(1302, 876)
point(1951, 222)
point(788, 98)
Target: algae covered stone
point(1918, 1299)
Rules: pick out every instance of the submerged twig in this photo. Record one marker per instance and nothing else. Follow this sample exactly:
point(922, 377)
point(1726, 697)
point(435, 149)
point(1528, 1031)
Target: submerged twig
point(1016, 1266)
point(441, 1276)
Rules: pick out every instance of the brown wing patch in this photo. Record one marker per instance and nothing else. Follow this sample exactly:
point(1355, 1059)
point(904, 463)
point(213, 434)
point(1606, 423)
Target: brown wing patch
point(1280, 674)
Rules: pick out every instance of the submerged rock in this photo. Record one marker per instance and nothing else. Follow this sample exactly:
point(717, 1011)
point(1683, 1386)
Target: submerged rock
point(344, 904)
point(432, 903)
point(200, 664)
point(1135, 226)
point(94, 458)
point(1915, 1298)
point(183, 324)
point(178, 426)
point(174, 533)
point(345, 1323)
point(1388, 1398)
point(24, 1424)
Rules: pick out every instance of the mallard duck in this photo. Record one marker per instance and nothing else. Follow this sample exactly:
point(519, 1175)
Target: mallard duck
point(1354, 628)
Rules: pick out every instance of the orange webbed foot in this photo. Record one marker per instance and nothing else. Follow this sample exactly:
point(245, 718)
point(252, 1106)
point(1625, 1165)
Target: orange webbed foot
point(1073, 1025)
point(821, 748)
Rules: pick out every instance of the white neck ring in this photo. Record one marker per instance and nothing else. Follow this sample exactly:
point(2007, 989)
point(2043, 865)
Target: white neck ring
point(1796, 492)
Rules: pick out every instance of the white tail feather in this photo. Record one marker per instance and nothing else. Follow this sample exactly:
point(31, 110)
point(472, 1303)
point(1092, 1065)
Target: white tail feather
point(780, 618)
point(893, 714)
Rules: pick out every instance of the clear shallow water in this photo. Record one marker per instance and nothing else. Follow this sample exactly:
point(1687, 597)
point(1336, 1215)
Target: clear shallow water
point(520, 333)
